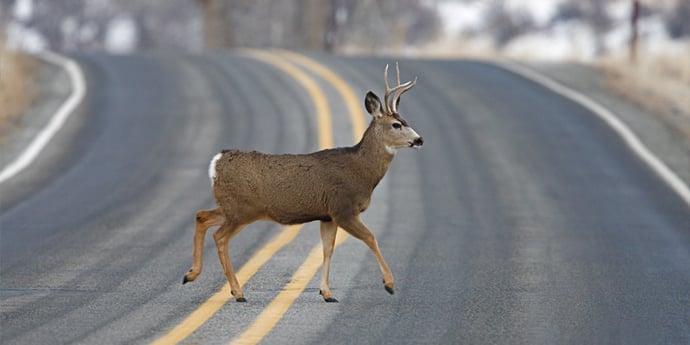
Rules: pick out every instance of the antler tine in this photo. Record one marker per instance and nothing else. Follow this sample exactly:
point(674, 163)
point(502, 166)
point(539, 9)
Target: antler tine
point(399, 91)
point(385, 78)
point(388, 89)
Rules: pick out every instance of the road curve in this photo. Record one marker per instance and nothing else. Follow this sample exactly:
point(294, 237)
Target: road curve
point(524, 219)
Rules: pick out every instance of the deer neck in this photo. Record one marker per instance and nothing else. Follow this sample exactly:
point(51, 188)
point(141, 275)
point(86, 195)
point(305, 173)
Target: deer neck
point(373, 155)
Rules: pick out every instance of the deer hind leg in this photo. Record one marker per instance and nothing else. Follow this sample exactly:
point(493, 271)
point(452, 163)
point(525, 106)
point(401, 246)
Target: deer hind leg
point(204, 220)
point(328, 232)
point(356, 228)
point(222, 236)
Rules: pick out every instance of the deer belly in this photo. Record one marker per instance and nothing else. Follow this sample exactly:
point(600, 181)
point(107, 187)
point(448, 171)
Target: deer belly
point(300, 219)
point(289, 218)
point(296, 208)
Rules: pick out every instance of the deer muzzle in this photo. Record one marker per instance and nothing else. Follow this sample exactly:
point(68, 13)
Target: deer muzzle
point(417, 142)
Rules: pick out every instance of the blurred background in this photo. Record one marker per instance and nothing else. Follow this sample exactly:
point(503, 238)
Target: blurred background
point(555, 29)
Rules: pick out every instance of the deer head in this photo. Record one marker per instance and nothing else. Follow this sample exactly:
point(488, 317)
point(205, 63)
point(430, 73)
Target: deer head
point(387, 122)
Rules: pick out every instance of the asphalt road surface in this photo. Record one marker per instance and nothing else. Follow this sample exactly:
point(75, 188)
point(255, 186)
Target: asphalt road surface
point(523, 219)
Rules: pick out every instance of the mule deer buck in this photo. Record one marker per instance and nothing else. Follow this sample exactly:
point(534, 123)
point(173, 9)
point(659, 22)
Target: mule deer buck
point(333, 186)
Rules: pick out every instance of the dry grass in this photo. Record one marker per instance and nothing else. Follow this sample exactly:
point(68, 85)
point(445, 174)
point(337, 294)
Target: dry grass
point(659, 82)
point(442, 48)
point(458, 48)
point(16, 71)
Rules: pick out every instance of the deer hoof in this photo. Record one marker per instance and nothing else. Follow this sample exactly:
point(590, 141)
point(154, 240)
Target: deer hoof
point(187, 279)
point(389, 289)
point(328, 299)
point(241, 299)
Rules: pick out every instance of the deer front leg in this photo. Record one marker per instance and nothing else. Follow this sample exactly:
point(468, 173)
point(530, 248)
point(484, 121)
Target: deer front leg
point(204, 220)
point(328, 232)
point(356, 228)
point(222, 236)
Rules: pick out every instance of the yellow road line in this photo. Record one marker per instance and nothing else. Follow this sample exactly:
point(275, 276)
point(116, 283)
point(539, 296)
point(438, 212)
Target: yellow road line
point(323, 111)
point(352, 101)
point(215, 302)
point(207, 309)
point(270, 316)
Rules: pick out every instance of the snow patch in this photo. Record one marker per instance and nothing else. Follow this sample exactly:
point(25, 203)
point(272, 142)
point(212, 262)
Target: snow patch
point(23, 10)
point(458, 17)
point(25, 39)
point(541, 11)
point(121, 35)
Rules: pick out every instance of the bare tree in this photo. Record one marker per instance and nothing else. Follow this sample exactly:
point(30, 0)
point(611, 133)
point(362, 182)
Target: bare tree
point(634, 16)
point(311, 18)
point(506, 25)
point(593, 12)
point(217, 33)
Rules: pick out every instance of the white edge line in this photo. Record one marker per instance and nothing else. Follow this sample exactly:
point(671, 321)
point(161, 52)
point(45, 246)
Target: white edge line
point(630, 139)
point(56, 122)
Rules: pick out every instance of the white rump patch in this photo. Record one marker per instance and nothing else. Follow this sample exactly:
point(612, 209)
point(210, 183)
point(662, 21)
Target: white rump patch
point(212, 167)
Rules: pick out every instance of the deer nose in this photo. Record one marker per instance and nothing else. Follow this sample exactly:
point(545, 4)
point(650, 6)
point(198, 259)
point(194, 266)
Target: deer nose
point(418, 142)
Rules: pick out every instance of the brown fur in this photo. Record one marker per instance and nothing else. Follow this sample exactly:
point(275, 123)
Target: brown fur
point(294, 189)
point(333, 186)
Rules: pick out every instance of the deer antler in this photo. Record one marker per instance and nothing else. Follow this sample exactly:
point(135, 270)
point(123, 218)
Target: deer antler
point(397, 91)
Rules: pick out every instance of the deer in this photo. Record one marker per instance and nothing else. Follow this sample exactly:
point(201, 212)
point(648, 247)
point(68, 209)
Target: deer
point(333, 186)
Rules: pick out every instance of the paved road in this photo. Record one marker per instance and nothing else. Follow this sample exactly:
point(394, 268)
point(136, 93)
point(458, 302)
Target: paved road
point(522, 220)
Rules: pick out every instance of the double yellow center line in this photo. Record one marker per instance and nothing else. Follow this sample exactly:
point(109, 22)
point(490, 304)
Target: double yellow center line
point(270, 316)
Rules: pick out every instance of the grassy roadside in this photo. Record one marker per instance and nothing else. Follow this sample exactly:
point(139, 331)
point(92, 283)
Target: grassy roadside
point(659, 82)
point(16, 92)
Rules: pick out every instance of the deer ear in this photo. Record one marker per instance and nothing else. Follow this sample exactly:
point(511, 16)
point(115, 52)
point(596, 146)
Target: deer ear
point(373, 104)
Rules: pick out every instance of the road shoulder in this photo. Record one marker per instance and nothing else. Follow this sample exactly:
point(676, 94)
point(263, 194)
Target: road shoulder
point(658, 135)
point(53, 88)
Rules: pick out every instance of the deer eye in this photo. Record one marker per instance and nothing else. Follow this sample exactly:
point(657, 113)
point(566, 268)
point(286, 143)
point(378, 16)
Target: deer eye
point(397, 125)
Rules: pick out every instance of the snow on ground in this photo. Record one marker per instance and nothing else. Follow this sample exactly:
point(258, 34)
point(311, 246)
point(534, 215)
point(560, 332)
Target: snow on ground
point(24, 39)
point(541, 10)
point(23, 10)
point(461, 16)
point(121, 35)
point(563, 40)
